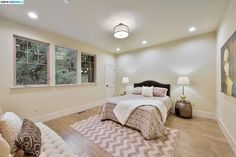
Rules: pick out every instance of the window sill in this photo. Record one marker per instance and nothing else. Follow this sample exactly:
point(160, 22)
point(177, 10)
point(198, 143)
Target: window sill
point(50, 86)
point(68, 85)
point(92, 83)
point(31, 87)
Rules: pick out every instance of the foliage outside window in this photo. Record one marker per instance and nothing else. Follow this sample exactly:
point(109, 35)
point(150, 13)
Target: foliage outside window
point(87, 68)
point(31, 62)
point(66, 65)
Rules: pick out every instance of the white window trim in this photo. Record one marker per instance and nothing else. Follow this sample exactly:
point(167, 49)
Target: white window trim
point(77, 67)
point(51, 75)
point(14, 62)
point(95, 66)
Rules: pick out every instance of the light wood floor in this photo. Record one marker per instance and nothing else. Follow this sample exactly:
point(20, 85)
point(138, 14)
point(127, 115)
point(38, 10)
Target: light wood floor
point(199, 137)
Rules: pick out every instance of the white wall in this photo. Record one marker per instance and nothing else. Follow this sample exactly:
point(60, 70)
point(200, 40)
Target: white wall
point(226, 105)
point(193, 56)
point(40, 101)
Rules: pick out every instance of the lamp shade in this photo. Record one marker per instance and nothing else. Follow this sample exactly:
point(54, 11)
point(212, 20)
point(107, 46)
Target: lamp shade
point(183, 80)
point(125, 80)
point(121, 31)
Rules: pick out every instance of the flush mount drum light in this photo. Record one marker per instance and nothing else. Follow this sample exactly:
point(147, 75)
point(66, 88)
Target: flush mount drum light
point(67, 1)
point(121, 31)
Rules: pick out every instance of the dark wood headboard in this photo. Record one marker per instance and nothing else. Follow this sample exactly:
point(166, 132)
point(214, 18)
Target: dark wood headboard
point(150, 83)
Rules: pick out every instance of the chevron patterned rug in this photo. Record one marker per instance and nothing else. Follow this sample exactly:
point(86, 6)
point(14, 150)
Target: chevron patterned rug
point(121, 141)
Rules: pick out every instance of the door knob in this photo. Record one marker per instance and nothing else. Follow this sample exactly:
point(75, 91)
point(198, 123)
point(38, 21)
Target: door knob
point(107, 85)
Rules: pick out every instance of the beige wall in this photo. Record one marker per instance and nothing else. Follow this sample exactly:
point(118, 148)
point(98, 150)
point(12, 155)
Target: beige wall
point(226, 105)
point(40, 101)
point(193, 56)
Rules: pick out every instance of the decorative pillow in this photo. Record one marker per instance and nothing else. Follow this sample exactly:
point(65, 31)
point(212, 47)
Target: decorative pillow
point(137, 90)
point(29, 138)
point(159, 92)
point(10, 126)
point(147, 91)
point(4, 147)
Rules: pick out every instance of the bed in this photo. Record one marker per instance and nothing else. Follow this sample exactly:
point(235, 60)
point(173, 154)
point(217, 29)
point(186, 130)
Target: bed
point(146, 118)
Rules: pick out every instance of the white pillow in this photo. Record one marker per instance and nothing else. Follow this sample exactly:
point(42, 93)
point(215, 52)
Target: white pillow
point(10, 127)
point(4, 147)
point(147, 91)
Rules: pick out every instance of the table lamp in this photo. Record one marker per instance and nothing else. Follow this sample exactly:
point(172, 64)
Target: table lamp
point(125, 81)
point(183, 80)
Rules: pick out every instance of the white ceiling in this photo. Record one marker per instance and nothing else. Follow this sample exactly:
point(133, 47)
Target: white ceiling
point(92, 21)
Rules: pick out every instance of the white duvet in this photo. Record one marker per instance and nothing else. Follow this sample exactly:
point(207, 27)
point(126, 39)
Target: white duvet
point(124, 108)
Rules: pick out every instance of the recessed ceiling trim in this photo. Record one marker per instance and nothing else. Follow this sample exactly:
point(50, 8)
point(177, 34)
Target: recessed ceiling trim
point(32, 15)
point(144, 42)
point(192, 29)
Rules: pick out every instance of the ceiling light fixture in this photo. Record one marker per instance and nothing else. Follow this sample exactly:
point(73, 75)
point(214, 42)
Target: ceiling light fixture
point(144, 42)
point(192, 29)
point(121, 31)
point(117, 49)
point(67, 1)
point(32, 15)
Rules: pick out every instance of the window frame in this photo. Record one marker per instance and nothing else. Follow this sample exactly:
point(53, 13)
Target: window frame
point(95, 67)
point(77, 67)
point(14, 62)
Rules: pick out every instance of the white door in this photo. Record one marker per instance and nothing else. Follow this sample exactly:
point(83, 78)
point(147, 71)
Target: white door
point(110, 80)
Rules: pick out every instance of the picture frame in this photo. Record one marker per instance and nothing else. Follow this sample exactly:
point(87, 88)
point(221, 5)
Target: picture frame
point(228, 66)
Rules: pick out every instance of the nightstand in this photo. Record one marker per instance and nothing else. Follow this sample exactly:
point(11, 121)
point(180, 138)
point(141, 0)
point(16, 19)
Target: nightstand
point(183, 108)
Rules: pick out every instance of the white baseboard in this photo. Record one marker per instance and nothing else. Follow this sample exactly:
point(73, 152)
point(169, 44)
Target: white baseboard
point(204, 114)
point(62, 113)
point(228, 136)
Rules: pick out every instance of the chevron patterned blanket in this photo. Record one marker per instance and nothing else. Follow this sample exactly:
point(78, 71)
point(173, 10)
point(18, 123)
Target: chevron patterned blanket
point(122, 141)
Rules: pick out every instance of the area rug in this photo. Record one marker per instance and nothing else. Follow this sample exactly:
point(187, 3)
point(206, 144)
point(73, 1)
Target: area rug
point(121, 141)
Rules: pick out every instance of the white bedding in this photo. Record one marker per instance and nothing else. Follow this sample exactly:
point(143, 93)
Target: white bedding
point(124, 108)
point(146, 119)
point(166, 100)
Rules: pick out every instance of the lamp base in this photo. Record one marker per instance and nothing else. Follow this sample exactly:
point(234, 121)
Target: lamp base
point(183, 97)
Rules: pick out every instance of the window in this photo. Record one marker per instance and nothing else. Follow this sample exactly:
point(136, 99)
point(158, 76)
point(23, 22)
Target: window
point(66, 65)
point(31, 62)
point(87, 68)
